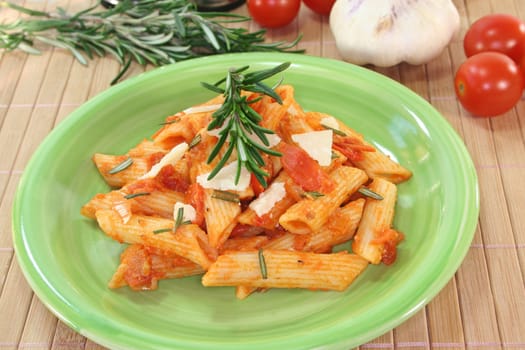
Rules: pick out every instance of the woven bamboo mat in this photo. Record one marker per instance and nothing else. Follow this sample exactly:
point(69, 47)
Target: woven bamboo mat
point(483, 305)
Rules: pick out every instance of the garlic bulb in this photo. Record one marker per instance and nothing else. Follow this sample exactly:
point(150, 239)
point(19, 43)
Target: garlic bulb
point(387, 32)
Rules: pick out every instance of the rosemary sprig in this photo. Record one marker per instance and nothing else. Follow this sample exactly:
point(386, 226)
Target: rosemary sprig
point(239, 123)
point(156, 32)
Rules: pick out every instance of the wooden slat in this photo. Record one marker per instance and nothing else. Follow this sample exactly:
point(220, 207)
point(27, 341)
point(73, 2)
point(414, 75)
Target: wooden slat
point(477, 301)
point(311, 25)
point(39, 327)
point(67, 339)
point(385, 341)
point(413, 333)
point(444, 319)
point(14, 303)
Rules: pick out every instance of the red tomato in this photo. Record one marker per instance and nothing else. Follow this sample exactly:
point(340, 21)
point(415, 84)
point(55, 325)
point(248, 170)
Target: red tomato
point(497, 32)
point(322, 7)
point(195, 196)
point(488, 84)
point(273, 13)
point(304, 170)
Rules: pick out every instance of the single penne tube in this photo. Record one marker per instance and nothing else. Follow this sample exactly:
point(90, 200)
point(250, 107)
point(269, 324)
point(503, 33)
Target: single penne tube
point(183, 126)
point(146, 148)
point(309, 215)
point(182, 130)
point(188, 241)
point(285, 269)
point(132, 230)
point(108, 164)
point(379, 165)
point(159, 203)
point(293, 124)
point(220, 216)
point(134, 164)
point(102, 201)
point(340, 227)
point(378, 215)
point(244, 243)
point(273, 112)
point(320, 120)
point(141, 269)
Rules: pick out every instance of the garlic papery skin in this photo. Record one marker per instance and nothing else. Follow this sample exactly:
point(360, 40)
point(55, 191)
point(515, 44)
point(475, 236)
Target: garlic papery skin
point(387, 32)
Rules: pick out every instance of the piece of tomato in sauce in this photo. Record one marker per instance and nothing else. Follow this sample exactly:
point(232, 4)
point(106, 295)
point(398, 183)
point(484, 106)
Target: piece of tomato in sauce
point(304, 170)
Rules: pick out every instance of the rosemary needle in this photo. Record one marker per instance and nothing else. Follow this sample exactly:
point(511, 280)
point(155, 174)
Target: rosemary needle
point(262, 265)
point(121, 166)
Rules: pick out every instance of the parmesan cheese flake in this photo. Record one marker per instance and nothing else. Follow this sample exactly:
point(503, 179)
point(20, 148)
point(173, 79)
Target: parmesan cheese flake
point(267, 199)
point(202, 109)
point(318, 145)
point(172, 157)
point(330, 122)
point(188, 212)
point(224, 180)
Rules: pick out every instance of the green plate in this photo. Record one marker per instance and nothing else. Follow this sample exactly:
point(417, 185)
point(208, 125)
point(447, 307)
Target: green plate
point(68, 261)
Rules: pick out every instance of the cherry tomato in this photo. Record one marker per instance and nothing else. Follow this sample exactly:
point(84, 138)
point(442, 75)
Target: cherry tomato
point(488, 84)
point(273, 13)
point(497, 32)
point(322, 7)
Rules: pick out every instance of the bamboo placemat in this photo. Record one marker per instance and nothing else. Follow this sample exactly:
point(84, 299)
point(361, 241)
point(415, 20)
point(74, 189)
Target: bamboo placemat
point(483, 305)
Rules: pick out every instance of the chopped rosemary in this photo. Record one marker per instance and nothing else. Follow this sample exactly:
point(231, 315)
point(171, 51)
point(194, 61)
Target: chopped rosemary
point(156, 32)
point(161, 230)
point(312, 194)
point(138, 194)
point(121, 166)
point(226, 196)
point(169, 122)
point(195, 141)
point(365, 191)
point(239, 123)
point(335, 131)
point(262, 265)
point(179, 220)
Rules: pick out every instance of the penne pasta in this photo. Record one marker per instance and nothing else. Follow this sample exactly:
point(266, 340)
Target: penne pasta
point(375, 231)
point(340, 228)
point(285, 269)
point(141, 269)
point(181, 207)
point(220, 216)
point(188, 241)
point(309, 215)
